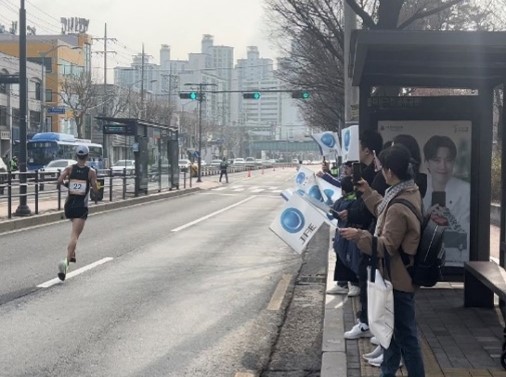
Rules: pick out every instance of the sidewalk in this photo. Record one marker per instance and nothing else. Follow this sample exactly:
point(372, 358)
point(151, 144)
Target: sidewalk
point(48, 208)
point(456, 341)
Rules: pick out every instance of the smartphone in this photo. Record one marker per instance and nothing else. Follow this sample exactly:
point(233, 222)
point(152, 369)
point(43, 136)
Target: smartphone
point(439, 197)
point(357, 172)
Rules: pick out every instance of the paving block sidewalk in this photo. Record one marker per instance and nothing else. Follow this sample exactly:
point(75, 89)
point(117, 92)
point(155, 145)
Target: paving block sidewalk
point(456, 341)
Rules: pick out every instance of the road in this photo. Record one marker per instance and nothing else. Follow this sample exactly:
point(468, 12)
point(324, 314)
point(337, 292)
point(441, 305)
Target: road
point(180, 287)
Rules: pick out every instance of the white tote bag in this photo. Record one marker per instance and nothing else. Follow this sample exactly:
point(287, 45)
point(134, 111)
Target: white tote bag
point(380, 302)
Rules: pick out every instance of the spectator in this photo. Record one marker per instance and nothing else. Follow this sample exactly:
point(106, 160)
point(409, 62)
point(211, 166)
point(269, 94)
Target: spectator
point(397, 228)
point(347, 254)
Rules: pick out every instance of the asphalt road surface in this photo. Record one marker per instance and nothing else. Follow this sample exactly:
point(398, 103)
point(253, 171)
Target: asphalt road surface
point(190, 286)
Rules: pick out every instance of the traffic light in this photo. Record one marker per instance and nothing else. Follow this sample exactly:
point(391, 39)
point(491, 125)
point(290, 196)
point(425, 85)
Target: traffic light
point(194, 96)
point(251, 95)
point(301, 94)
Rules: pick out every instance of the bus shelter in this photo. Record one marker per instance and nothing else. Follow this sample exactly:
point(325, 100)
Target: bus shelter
point(471, 63)
point(155, 149)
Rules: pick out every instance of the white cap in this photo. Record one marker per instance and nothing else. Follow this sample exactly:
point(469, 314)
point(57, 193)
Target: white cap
point(82, 150)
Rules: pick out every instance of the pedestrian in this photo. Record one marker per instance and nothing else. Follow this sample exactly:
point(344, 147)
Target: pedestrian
point(398, 234)
point(223, 169)
point(79, 178)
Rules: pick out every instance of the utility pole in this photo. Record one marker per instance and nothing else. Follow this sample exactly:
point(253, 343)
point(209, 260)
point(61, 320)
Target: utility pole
point(350, 93)
point(142, 83)
point(106, 39)
point(200, 98)
point(23, 209)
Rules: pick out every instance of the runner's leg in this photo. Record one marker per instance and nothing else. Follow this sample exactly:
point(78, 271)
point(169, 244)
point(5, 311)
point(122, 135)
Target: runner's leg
point(77, 228)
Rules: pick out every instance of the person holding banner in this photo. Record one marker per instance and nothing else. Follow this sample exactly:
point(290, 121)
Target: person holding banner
point(347, 253)
point(397, 228)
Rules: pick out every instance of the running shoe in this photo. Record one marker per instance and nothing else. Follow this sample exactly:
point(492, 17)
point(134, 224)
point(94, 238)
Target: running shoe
point(62, 269)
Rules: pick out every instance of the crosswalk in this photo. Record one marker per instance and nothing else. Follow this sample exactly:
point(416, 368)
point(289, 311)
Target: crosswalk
point(249, 189)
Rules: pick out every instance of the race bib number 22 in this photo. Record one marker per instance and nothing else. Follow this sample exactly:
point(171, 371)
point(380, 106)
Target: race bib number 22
point(77, 187)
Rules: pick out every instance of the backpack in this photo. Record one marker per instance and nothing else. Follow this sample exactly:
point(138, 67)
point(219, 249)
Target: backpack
point(430, 255)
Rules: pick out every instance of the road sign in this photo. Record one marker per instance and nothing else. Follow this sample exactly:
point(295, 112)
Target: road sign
point(56, 110)
point(119, 129)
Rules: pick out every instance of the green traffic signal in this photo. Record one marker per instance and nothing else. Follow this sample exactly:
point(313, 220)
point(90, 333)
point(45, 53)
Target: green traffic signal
point(301, 94)
point(251, 95)
point(194, 96)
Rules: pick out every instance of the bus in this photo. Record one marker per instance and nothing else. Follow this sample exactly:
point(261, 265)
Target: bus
point(44, 147)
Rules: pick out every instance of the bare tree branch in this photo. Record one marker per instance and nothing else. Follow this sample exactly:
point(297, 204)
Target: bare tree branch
point(422, 14)
point(366, 18)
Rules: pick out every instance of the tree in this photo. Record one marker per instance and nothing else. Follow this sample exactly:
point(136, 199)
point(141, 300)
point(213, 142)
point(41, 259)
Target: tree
point(78, 93)
point(310, 33)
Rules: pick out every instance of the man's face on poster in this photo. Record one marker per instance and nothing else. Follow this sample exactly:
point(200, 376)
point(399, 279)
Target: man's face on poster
point(441, 166)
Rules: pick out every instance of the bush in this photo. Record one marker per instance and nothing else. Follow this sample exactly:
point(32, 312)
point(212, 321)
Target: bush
point(496, 176)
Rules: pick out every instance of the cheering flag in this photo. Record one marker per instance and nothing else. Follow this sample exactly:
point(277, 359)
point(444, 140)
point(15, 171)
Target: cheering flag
point(330, 192)
point(297, 223)
point(305, 181)
point(328, 143)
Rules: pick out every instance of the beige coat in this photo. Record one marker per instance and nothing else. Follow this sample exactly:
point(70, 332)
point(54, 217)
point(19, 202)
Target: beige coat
point(401, 229)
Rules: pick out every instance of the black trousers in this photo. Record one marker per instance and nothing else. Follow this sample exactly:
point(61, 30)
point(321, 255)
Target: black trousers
point(224, 172)
point(365, 261)
point(343, 273)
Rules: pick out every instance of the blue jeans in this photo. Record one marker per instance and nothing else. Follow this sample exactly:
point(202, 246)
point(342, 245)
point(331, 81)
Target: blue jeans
point(405, 339)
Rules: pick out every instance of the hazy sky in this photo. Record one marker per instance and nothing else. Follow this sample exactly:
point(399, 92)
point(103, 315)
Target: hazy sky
point(178, 23)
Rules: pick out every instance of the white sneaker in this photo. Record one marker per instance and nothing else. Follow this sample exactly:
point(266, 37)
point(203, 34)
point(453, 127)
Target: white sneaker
point(337, 290)
point(375, 341)
point(376, 362)
point(374, 354)
point(353, 291)
point(360, 330)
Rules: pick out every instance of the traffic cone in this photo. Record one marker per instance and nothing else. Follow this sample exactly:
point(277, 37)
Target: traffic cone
point(249, 173)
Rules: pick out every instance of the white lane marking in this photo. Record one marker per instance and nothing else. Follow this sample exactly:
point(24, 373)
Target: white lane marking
point(211, 215)
point(258, 190)
point(277, 191)
point(219, 188)
point(279, 293)
point(88, 267)
point(239, 189)
point(245, 374)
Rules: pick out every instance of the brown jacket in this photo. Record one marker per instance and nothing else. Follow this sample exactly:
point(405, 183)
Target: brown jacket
point(401, 229)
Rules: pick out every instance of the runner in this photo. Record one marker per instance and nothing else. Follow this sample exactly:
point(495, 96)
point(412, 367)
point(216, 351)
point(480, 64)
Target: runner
point(78, 178)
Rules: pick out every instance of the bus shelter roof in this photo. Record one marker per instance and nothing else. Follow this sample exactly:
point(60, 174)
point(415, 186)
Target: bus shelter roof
point(451, 59)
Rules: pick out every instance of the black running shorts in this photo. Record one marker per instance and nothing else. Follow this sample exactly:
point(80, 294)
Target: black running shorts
point(76, 212)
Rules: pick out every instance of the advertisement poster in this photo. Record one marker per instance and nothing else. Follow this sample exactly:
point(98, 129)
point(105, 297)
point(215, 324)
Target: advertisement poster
point(445, 151)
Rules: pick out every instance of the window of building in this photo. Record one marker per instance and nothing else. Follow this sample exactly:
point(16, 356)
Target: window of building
point(38, 91)
point(3, 87)
point(48, 63)
point(15, 117)
point(49, 95)
point(3, 116)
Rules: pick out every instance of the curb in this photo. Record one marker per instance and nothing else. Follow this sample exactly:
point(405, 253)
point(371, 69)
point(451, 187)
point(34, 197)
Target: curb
point(334, 362)
point(55, 215)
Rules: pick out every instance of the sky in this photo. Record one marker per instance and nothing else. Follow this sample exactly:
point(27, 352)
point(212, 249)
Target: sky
point(178, 23)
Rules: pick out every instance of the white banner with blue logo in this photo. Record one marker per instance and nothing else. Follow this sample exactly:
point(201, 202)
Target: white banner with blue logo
point(322, 208)
point(328, 143)
point(297, 223)
point(305, 181)
point(351, 143)
point(330, 192)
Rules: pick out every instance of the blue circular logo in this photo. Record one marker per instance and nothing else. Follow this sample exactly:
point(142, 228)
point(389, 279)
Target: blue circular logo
point(300, 178)
point(328, 140)
point(346, 140)
point(314, 192)
point(328, 192)
point(301, 192)
point(292, 220)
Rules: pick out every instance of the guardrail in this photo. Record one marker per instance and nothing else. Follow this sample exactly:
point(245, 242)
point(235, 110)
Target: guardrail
point(42, 189)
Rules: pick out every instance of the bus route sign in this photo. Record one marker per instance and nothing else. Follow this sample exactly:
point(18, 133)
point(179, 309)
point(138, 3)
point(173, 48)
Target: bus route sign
point(119, 129)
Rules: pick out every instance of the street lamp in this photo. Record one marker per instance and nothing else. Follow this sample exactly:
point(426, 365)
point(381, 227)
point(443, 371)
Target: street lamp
point(43, 67)
point(200, 99)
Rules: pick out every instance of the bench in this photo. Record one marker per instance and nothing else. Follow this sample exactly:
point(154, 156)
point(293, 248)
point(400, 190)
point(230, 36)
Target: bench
point(481, 281)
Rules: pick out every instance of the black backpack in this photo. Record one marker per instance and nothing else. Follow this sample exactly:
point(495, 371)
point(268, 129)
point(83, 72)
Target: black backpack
point(430, 255)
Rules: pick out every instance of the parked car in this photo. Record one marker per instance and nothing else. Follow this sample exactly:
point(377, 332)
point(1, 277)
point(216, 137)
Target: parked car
point(215, 163)
point(239, 161)
point(52, 168)
point(250, 161)
point(123, 165)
